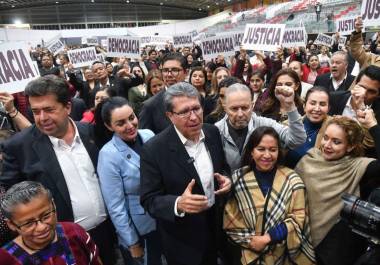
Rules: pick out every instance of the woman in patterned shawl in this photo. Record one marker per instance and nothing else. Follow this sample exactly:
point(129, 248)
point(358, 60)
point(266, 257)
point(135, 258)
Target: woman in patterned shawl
point(30, 211)
point(266, 215)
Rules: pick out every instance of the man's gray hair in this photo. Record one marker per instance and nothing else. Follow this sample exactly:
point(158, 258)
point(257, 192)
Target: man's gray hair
point(343, 53)
point(237, 87)
point(181, 89)
point(21, 193)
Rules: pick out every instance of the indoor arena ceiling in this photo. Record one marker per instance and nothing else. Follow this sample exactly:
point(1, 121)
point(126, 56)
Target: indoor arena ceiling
point(95, 11)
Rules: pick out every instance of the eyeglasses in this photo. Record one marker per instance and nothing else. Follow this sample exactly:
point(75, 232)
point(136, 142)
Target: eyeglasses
point(186, 113)
point(173, 71)
point(31, 225)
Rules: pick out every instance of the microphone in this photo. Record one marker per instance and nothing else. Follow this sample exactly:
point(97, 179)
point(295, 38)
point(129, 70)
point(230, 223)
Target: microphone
point(190, 160)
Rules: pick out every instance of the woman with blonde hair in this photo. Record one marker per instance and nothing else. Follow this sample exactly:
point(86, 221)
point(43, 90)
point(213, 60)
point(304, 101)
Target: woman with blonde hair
point(337, 167)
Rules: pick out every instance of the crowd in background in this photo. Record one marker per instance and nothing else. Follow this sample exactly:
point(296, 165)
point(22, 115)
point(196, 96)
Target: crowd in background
point(178, 160)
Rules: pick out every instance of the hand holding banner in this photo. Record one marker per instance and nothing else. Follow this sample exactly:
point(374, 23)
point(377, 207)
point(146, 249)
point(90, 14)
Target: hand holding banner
point(264, 37)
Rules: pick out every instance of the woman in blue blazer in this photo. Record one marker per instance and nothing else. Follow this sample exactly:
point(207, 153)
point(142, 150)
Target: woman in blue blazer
point(119, 174)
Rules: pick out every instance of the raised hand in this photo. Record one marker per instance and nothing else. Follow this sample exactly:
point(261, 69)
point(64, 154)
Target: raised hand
point(359, 24)
point(285, 95)
point(366, 118)
point(191, 203)
point(358, 96)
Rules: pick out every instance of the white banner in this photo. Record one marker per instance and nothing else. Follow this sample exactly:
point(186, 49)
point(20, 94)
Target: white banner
point(55, 45)
point(345, 26)
point(295, 37)
point(182, 41)
point(221, 44)
point(323, 39)
point(263, 37)
point(90, 41)
point(155, 40)
point(123, 46)
point(16, 67)
point(371, 12)
point(342, 42)
point(82, 57)
point(238, 38)
point(104, 42)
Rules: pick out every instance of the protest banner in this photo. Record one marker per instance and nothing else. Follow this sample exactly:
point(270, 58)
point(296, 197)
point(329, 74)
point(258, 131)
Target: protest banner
point(82, 57)
point(342, 42)
point(346, 25)
point(370, 13)
point(238, 38)
point(90, 41)
point(295, 37)
point(264, 37)
point(221, 44)
point(118, 46)
point(155, 40)
point(55, 45)
point(16, 67)
point(182, 41)
point(104, 43)
point(323, 39)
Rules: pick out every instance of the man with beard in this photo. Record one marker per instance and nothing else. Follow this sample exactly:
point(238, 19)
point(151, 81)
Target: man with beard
point(338, 79)
point(240, 121)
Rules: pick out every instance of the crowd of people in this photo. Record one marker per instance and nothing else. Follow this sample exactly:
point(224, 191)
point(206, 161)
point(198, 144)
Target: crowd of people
point(174, 160)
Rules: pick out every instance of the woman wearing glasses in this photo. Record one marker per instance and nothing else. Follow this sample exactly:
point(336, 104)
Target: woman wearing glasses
point(30, 212)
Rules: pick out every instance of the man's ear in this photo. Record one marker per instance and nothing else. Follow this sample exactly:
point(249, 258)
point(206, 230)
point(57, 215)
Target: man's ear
point(169, 115)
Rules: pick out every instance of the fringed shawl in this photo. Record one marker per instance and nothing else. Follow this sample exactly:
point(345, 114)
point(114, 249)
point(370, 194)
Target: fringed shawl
point(286, 202)
point(326, 182)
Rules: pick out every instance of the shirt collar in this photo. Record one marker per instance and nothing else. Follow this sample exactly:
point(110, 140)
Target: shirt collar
point(186, 141)
point(341, 80)
point(57, 142)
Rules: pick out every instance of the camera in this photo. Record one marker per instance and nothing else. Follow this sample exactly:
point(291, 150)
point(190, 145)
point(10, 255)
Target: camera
point(363, 217)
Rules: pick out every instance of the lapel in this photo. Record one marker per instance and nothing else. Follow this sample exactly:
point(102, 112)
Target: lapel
point(88, 142)
point(212, 148)
point(181, 156)
point(44, 150)
point(127, 152)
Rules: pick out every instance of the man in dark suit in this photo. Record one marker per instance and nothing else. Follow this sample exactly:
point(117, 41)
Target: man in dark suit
point(62, 155)
point(338, 79)
point(365, 93)
point(152, 115)
point(178, 167)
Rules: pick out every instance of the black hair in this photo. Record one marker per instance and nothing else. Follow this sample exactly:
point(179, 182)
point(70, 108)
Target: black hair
point(317, 88)
point(49, 84)
point(372, 71)
point(254, 140)
point(228, 81)
point(109, 105)
point(175, 56)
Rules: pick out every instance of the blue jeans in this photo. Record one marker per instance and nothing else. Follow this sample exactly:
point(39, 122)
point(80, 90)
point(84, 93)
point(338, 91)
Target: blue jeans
point(152, 249)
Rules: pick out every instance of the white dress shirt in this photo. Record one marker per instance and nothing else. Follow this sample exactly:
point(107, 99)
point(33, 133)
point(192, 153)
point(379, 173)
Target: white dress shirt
point(203, 165)
point(81, 180)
